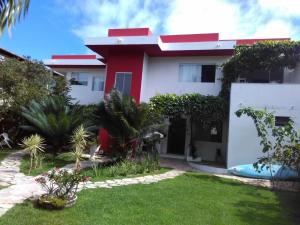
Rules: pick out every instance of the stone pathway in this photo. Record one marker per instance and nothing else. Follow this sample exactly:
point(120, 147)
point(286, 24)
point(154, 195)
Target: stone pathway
point(149, 179)
point(10, 170)
point(23, 187)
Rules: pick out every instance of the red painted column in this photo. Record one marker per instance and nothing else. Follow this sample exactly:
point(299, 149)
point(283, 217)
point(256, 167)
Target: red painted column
point(122, 61)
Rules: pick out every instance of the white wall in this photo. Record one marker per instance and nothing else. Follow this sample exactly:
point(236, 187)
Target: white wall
point(162, 76)
point(243, 142)
point(84, 94)
point(292, 76)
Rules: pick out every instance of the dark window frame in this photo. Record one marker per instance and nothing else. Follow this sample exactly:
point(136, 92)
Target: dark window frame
point(281, 120)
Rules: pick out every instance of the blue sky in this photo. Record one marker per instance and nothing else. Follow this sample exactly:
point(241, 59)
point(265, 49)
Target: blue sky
point(59, 26)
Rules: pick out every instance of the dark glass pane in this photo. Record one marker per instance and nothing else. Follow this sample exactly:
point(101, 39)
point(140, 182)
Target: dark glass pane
point(119, 81)
point(281, 120)
point(127, 84)
point(208, 73)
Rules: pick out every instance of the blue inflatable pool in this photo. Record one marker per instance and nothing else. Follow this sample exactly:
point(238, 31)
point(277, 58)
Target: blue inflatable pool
point(278, 171)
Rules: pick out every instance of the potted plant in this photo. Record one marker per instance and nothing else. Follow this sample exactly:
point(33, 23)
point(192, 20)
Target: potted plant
point(61, 187)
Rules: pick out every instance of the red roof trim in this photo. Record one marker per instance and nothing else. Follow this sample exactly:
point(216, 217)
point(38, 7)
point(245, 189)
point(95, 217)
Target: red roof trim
point(77, 66)
point(73, 57)
point(129, 32)
point(190, 38)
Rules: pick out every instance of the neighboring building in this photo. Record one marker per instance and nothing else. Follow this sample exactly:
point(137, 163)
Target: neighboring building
point(141, 64)
point(4, 53)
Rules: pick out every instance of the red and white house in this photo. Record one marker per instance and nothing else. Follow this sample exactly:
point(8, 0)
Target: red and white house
point(142, 64)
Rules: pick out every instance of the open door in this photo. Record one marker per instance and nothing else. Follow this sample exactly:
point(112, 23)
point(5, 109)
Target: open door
point(176, 136)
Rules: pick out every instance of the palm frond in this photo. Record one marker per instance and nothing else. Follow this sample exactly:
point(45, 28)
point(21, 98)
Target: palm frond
point(11, 11)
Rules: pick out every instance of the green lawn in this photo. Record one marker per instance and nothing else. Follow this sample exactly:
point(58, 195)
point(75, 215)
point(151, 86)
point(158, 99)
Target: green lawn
point(5, 152)
point(188, 199)
point(47, 164)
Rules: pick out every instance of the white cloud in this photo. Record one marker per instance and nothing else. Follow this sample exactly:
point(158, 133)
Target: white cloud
point(95, 17)
point(230, 18)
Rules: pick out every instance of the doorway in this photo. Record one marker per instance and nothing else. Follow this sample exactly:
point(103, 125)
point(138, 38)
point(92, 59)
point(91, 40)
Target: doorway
point(176, 136)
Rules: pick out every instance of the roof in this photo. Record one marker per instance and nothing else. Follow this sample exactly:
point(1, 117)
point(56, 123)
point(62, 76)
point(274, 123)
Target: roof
point(74, 61)
point(9, 54)
point(142, 39)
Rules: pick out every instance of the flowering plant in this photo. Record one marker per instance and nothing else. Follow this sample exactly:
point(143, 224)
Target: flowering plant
point(61, 183)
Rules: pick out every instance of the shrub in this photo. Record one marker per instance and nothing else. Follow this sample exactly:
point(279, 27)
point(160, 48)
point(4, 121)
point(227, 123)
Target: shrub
point(128, 167)
point(21, 82)
point(79, 142)
point(54, 119)
point(33, 145)
point(61, 183)
point(125, 120)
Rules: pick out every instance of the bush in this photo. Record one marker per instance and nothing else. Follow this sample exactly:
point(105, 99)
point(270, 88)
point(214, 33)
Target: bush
point(125, 121)
point(54, 119)
point(128, 167)
point(21, 82)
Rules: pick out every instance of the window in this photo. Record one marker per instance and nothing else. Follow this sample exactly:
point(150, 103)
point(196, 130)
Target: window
point(190, 73)
point(79, 79)
point(281, 120)
point(211, 132)
point(208, 73)
point(123, 82)
point(98, 83)
point(197, 73)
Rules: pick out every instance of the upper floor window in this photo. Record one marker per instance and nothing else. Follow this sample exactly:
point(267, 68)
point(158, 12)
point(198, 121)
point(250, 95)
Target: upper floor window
point(123, 82)
point(197, 73)
point(281, 120)
point(98, 83)
point(79, 79)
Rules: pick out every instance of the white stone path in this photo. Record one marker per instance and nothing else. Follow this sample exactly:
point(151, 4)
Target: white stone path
point(23, 187)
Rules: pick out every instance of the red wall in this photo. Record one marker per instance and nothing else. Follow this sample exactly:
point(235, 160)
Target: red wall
point(125, 62)
point(122, 61)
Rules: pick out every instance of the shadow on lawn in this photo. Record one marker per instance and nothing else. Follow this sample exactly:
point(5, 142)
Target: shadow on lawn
point(290, 201)
point(261, 212)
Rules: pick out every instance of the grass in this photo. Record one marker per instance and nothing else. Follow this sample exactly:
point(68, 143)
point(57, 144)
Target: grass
point(188, 199)
point(48, 163)
point(5, 152)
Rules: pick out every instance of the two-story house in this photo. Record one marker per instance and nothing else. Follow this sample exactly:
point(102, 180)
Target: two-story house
point(141, 64)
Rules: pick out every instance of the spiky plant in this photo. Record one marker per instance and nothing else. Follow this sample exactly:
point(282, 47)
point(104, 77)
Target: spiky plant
point(79, 141)
point(124, 119)
point(11, 11)
point(53, 119)
point(34, 145)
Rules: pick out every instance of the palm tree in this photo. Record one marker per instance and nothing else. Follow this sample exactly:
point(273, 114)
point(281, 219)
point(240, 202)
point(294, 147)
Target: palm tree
point(125, 121)
point(11, 12)
point(53, 119)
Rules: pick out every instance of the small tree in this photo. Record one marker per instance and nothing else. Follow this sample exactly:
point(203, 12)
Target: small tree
point(21, 82)
point(33, 145)
point(280, 143)
point(79, 141)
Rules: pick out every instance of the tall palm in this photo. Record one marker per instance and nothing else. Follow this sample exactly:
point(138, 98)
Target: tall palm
point(11, 12)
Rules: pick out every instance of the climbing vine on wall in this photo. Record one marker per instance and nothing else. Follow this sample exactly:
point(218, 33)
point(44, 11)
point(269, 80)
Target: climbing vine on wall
point(267, 56)
point(197, 106)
